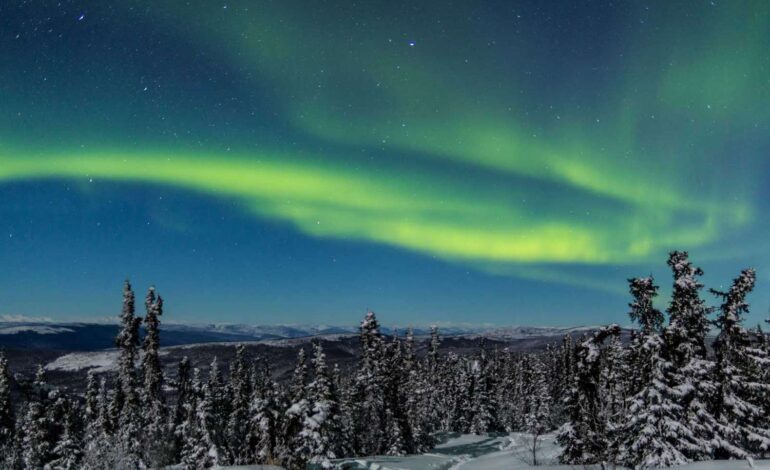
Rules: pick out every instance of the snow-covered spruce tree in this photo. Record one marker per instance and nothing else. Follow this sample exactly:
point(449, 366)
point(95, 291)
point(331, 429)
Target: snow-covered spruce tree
point(685, 341)
point(198, 450)
point(483, 412)
point(459, 394)
point(432, 370)
point(68, 451)
point(368, 410)
point(126, 399)
point(650, 320)
point(7, 422)
point(97, 442)
point(217, 406)
point(321, 431)
point(655, 433)
point(418, 397)
point(409, 354)
point(293, 453)
point(238, 424)
point(396, 397)
point(613, 388)
point(265, 420)
point(91, 411)
point(688, 320)
point(538, 415)
point(740, 391)
point(35, 446)
point(10, 452)
point(433, 347)
point(157, 448)
point(583, 437)
point(183, 395)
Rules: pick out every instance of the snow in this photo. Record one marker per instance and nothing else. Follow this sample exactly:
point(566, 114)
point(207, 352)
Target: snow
point(41, 330)
point(97, 361)
point(505, 451)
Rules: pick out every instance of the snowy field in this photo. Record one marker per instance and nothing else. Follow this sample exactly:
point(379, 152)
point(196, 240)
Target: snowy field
point(509, 452)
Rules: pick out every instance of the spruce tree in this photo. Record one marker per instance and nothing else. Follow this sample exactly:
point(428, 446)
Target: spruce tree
point(321, 432)
point(655, 435)
point(35, 447)
point(7, 422)
point(238, 423)
point(155, 445)
point(537, 418)
point(294, 453)
point(151, 366)
point(181, 409)
point(614, 390)
point(740, 390)
point(691, 371)
point(68, 450)
point(125, 407)
point(217, 406)
point(265, 420)
point(584, 436)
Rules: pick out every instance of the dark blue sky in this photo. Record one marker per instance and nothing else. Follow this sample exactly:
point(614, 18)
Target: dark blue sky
point(277, 162)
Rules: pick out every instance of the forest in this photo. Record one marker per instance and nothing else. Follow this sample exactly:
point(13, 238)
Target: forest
point(689, 383)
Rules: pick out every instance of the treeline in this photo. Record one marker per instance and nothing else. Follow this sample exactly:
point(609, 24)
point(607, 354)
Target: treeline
point(661, 399)
point(391, 402)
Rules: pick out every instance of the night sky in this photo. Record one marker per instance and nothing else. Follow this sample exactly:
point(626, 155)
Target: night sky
point(436, 161)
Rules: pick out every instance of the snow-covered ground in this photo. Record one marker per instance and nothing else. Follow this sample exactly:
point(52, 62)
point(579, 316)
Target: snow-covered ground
point(468, 451)
point(509, 452)
point(97, 361)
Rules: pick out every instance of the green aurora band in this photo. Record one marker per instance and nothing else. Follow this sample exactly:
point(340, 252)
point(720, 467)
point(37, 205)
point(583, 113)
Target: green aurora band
point(473, 164)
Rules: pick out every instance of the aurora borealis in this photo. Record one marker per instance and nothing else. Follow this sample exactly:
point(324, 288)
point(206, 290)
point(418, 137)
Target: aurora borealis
point(268, 162)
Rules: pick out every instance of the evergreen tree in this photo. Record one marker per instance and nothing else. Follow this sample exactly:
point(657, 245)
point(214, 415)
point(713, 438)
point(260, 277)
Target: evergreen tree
point(294, 452)
point(35, 448)
point(737, 405)
point(125, 406)
point(655, 435)
point(7, 422)
point(433, 347)
point(151, 366)
point(68, 449)
point(690, 371)
point(321, 430)
point(584, 435)
point(217, 406)
point(369, 406)
point(238, 423)
point(482, 412)
point(157, 449)
point(265, 420)
point(91, 412)
point(184, 393)
point(614, 390)
point(538, 414)
point(198, 451)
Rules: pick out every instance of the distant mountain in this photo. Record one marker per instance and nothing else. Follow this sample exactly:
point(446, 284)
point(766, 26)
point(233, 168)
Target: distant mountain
point(96, 336)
